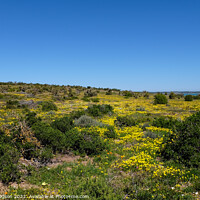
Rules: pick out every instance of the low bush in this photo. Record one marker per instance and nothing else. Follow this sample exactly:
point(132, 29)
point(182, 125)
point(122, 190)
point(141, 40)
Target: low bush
point(31, 118)
point(125, 121)
point(166, 122)
point(49, 136)
point(28, 150)
point(85, 142)
point(63, 124)
point(9, 157)
point(8, 164)
point(183, 146)
point(131, 120)
point(86, 121)
point(99, 110)
point(160, 99)
point(188, 98)
point(196, 97)
point(48, 106)
point(77, 114)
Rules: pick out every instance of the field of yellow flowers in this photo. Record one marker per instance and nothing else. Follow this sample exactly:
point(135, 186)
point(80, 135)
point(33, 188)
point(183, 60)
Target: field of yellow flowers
point(131, 166)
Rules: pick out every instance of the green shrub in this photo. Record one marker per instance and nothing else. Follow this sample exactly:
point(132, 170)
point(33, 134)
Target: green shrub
point(125, 121)
point(48, 106)
point(63, 124)
point(77, 114)
point(106, 109)
point(131, 120)
point(166, 122)
point(31, 118)
point(184, 145)
point(188, 98)
point(94, 111)
point(49, 136)
point(8, 164)
point(1, 96)
point(99, 110)
point(196, 97)
point(28, 150)
point(85, 142)
point(9, 157)
point(86, 121)
point(160, 99)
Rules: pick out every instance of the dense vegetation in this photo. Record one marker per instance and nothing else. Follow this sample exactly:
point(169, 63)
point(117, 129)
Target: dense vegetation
point(160, 99)
point(116, 144)
point(184, 145)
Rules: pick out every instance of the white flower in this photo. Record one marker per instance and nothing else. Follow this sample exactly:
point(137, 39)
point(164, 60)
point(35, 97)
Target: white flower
point(44, 183)
point(172, 188)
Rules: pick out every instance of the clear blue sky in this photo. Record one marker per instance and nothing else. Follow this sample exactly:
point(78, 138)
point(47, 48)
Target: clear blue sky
point(151, 45)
